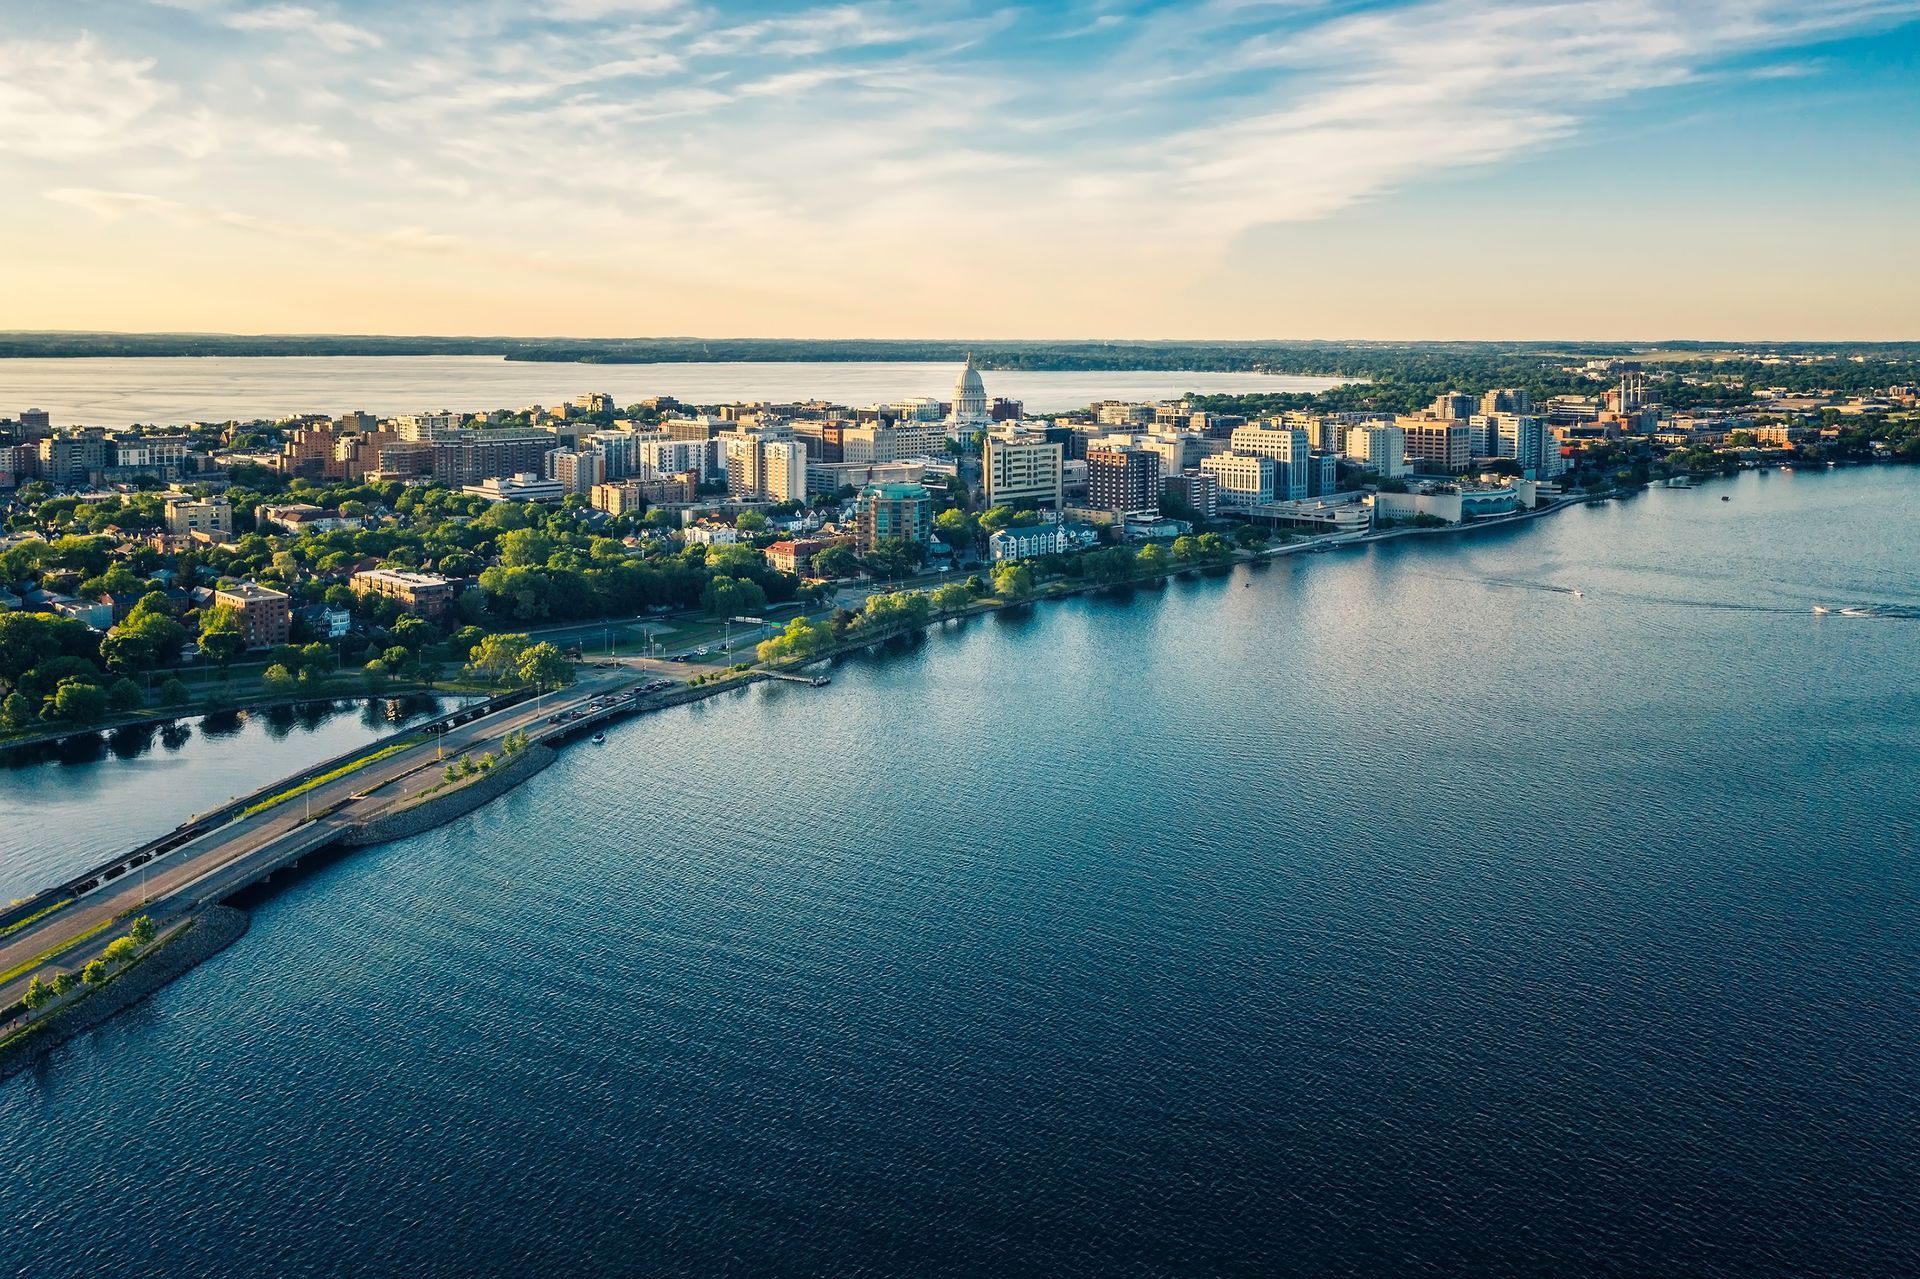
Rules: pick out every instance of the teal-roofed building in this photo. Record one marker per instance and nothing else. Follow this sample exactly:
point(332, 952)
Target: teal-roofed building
point(903, 511)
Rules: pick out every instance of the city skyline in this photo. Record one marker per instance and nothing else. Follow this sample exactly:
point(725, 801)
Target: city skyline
point(1439, 169)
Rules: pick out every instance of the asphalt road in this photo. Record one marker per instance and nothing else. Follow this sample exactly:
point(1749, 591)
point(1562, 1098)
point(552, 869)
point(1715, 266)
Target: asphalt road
point(219, 861)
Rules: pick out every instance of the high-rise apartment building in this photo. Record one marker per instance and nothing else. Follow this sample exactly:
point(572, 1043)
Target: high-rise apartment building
point(893, 511)
point(474, 456)
point(764, 469)
point(187, 515)
point(1123, 480)
point(1023, 466)
point(1197, 489)
point(266, 614)
point(576, 470)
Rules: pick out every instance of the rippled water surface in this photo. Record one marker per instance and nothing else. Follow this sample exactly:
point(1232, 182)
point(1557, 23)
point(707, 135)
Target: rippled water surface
point(1393, 911)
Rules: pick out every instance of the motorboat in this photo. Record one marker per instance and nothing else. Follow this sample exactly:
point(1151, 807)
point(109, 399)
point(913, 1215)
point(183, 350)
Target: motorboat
point(599, 739)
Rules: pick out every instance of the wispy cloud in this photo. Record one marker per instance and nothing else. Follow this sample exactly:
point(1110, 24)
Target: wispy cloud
point(341, 37)
point(828, 143)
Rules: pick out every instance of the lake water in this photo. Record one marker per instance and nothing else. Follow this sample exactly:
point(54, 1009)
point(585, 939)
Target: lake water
point(1391, 911)
point(73, 804)
point(116, 392)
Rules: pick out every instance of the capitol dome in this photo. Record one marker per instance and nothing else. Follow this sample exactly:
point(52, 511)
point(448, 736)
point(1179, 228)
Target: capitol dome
point(969, 395)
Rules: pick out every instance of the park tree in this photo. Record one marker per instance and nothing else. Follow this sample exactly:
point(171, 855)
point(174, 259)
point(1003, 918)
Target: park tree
point(726, 596)
point(173, 693)
point(223, 633)
point(952, 597)
point(412, 632)
point(895, 557)
point(16, 713)
point(1013, 581)
point(94, 973)
point(142, 931)
point(524, 548)
point(39, 994)
point(957, 528)
point(1152, 558)
point(802, 639)
point(838, 560)
point(1115, 564)
point(77, 701)
point(544, 666)
point(498, 656)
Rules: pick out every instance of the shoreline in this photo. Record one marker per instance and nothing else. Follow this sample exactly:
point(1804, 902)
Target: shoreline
point(204, 934)
point(436, 810)
point(264, 702)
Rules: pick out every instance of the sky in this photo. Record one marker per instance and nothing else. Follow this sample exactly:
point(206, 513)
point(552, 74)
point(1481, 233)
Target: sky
point(1630, 169)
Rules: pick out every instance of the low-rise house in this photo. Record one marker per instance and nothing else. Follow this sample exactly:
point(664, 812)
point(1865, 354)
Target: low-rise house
point(299, 517)
point(796, 555)
point(330, 623)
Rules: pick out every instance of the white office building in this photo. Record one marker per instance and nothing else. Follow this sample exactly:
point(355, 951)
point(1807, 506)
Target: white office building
point(1245, 481)
point(1289, 447)
point(1380, 449)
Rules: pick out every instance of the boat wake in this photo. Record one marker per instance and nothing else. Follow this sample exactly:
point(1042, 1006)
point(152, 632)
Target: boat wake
point(1861, 611)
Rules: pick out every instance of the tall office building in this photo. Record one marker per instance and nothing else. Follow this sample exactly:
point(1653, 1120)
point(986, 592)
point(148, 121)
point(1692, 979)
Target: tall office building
point(1454, 406)
point(1379, 448)
point(1245, 481)
point(1286, 445)
point(1507, 399)
point(1436, 446)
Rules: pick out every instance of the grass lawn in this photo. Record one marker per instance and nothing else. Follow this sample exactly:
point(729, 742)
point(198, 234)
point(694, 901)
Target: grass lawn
point(408, 742)
point(31, 920)
point(54, 952)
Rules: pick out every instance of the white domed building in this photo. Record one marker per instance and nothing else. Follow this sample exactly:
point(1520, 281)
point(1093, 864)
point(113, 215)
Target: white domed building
point(970, 398)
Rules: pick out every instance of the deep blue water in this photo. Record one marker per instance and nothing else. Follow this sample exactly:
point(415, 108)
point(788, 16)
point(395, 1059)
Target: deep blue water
point(1394, 911)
